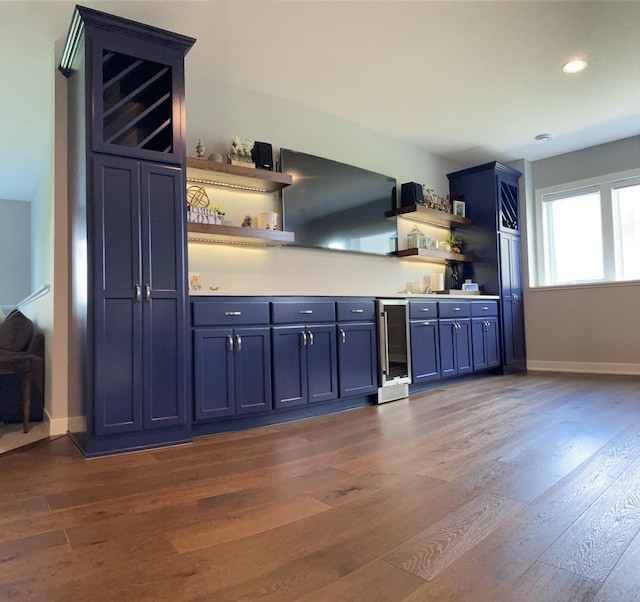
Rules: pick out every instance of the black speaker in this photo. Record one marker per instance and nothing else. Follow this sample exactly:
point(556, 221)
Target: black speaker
point(262, 155)
point(411, 194)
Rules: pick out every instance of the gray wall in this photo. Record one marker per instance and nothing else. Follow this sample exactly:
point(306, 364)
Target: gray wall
point(588, 328)
point(15, 251)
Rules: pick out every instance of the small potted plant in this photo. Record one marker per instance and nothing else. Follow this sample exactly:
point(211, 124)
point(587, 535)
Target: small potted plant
point(218, 213)
point(240, 153)
point(456, 243)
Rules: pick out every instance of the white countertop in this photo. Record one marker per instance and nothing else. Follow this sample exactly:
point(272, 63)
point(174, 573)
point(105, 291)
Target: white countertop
point(399, 295)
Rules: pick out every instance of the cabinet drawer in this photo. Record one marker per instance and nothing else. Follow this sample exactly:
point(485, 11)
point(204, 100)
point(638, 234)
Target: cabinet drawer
point(484, 308)
point(454, 309)
point(303, 312)
point(229, 313)
point(419, 310)
point(351, 311)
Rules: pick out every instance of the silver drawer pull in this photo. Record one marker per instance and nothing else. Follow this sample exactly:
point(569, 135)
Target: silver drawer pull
point(232, 313)
point(455, 309)
point(485, 309)
point(425, 323)
point(238, 343)
point(305, 311)
point(424, 309)
point(357, 311)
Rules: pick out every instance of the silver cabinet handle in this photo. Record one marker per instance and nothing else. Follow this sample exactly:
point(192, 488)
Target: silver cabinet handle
point(424, 309)
point(147, 293)
point(310, 338)
point(238, 343)
point(455, 309)
point(304, 338)
point(305, 311)
point(138, 293)
point(229, 343)
point(425, 323)
point(357, 311)
point(343, 336)
point(232, 313)
point(485, 309)
point(515, 296)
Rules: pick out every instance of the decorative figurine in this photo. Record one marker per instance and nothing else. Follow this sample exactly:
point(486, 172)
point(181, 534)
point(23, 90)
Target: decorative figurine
point(247, 221)
point(200, 148)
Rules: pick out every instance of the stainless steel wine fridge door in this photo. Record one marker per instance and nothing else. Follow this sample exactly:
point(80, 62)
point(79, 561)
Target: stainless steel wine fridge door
point(395, 358)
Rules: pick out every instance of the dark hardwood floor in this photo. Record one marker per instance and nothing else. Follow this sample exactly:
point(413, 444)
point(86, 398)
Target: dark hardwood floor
point(523, 488)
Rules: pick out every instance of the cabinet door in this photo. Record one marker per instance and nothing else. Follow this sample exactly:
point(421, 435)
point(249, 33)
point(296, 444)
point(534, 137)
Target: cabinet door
point(424, 351)
point(514, 351)
point(357, 359)
point(163, 296)
point(322, 363)
point(289, 359)
point(478, 343)
point(213, 373)
point(464, 362)
point(492, 343)
point(138, 98)
point(485, 343)
point(252, 369)
point(447, 339)
point(117, 310)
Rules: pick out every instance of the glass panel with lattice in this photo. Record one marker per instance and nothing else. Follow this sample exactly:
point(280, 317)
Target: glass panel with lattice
point(508, 205)
point(137, 103)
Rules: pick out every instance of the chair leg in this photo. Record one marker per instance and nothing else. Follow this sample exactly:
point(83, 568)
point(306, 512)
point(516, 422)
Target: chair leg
point(26, 395)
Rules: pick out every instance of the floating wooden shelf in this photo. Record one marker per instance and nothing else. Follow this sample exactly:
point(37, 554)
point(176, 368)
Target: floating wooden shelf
point(429, 216)
point(235, 176)
point(233, 235)
point(433, 256)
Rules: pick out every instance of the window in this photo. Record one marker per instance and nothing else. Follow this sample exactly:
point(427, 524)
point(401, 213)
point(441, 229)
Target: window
point(590, 231)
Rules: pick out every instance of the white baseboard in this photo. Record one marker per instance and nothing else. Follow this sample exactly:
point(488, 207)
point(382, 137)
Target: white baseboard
point(60, 426)
point(57, 426)
point(585, 367)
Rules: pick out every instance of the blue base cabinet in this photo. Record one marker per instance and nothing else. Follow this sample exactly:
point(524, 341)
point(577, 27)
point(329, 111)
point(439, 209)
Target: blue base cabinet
point(305, 365)
point(486, 343)
point(232, 374)
point(425, 341)
point(357, 347)
point(232, 357)
point(455, 347)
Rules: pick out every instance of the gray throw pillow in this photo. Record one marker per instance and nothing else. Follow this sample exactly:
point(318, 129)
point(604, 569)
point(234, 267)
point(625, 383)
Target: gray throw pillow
point(16, 332)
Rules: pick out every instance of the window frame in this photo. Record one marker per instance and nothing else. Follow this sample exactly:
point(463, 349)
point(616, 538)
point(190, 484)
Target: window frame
point(605, 184)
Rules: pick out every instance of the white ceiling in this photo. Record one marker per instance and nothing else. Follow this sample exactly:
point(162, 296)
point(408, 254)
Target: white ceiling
point(469, 81)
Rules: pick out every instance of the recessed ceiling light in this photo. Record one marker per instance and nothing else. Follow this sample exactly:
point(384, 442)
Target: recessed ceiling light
point(544, 137)
point(574, 66)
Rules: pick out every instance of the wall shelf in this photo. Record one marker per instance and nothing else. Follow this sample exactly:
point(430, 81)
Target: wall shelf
point(202, 171)
point(429, 216)
point(233, 235)
point(433, 256)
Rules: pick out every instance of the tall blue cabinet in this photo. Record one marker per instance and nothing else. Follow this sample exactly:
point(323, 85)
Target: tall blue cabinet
point(126, 148)
point(491, 194)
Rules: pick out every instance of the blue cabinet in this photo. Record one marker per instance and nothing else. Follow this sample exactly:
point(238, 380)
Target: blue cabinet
point(126, 156)
point(232, 371)
point(357, 347)
point(425, 351)
point(513, 341)
point(139, 296)
point(357, 358)
point(491, 193)
point(305, 366)
point(486, 344)
point(455, 347)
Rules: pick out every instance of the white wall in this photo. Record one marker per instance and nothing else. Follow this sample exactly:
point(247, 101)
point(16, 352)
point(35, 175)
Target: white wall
point(15, 251)
point(216, 113)
point(587, 328)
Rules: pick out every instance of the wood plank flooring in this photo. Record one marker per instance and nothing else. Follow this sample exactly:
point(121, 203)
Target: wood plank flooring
point(516, 488)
